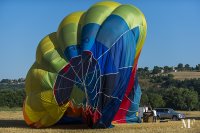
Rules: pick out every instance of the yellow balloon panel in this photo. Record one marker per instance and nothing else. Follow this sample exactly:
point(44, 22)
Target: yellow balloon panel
point(48, 54)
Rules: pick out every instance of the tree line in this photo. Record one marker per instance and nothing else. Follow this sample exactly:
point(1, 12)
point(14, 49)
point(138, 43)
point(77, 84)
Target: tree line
point(12, 92)
point(12, 97)
point(166, 69)
point(12, 81)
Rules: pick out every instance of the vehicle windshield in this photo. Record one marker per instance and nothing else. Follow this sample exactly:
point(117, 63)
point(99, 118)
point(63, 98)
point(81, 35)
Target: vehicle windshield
point(171, 110)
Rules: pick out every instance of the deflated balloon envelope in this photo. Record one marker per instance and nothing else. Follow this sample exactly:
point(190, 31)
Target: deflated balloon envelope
point(86, 71)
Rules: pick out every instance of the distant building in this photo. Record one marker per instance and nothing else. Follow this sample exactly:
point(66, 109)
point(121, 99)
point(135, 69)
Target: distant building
point(162, 71)
point(174, 70)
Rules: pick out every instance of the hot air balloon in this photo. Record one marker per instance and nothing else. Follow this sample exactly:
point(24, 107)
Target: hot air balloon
point(86, 71)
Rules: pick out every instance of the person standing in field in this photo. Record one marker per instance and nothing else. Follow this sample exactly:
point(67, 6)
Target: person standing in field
point(154, 115)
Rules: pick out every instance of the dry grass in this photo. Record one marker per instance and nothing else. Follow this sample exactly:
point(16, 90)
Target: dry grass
point(185, 75)
point(12, 121)
point(195, 114)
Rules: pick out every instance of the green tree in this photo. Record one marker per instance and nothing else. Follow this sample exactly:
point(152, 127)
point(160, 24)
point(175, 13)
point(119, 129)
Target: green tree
point(143, 72)
point(187, 67)
point(146, 69)
point(144, 99)
point(156, 70)
point(12, 98)
point(198, 67)
point(156, 100)
point(180, 67)
point(181, 98)
point(167, 69)
point(5, 81)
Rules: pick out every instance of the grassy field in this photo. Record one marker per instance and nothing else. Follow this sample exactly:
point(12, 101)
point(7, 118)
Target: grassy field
point(185, 75)
point(12, 121)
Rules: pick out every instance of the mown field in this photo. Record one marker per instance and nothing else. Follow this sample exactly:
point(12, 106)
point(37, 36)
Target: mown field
point(185, 75)
point(12, 121)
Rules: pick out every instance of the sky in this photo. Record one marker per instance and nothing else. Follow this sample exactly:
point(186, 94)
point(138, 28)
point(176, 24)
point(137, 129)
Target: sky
point(173, 34)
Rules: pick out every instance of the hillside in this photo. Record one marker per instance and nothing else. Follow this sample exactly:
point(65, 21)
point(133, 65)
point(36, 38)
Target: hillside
point(185, 75)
